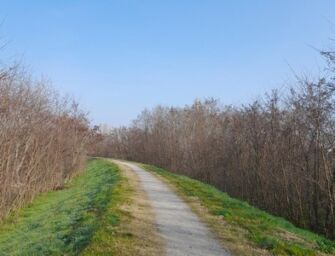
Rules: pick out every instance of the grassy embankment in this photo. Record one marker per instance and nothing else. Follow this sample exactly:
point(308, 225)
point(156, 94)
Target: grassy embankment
point(128, 227)
point(63, 222)
point(244, 229)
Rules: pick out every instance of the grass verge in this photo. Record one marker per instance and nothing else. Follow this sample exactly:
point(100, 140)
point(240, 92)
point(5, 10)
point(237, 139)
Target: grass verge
point(244, 229)
point(127, 227)
point(62, 222)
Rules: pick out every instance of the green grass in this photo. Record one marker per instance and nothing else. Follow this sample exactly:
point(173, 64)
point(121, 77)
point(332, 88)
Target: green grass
point(108, 238)
point(62, 222)
point(262, 229)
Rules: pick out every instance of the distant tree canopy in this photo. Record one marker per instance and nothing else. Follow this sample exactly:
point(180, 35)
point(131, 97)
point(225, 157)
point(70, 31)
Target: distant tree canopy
point(277, 153)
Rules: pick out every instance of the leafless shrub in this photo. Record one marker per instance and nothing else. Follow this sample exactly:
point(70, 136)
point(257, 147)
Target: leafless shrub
point(43, 139)
point(277, 153)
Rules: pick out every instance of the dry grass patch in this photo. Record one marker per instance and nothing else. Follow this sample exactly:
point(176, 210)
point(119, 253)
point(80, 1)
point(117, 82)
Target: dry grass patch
point(232, 238)
point(135, 232)
point(243, 229)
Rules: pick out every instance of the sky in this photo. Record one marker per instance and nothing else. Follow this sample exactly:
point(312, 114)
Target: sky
point(119, 57)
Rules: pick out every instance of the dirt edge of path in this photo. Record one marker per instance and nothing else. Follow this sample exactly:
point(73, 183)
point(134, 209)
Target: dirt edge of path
point(139, 225)
point(231, 237)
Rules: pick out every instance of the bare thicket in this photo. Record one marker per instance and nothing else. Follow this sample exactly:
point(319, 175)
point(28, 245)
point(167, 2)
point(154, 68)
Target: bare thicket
point(43, 139)
point(277, 153)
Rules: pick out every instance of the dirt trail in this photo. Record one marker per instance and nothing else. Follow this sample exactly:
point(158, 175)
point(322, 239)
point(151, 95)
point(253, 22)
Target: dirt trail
point(184, 234)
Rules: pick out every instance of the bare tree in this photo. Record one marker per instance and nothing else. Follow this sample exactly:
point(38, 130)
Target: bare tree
point(277, 153)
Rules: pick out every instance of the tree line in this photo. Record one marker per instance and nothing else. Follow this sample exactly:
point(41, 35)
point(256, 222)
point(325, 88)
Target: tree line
point(277, 153)
point(44, 138)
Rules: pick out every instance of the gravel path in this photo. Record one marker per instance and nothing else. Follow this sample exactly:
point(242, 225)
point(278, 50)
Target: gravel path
point(183, 232)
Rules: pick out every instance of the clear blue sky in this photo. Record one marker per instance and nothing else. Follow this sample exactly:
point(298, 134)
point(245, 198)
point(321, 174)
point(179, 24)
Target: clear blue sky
point(118, 57)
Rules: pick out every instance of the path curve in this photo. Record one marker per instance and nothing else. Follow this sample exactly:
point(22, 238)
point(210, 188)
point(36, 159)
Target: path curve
point(183, 232)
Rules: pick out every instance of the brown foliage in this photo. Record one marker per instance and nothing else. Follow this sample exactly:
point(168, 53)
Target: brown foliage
point(277, 153)
point(43, 139)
